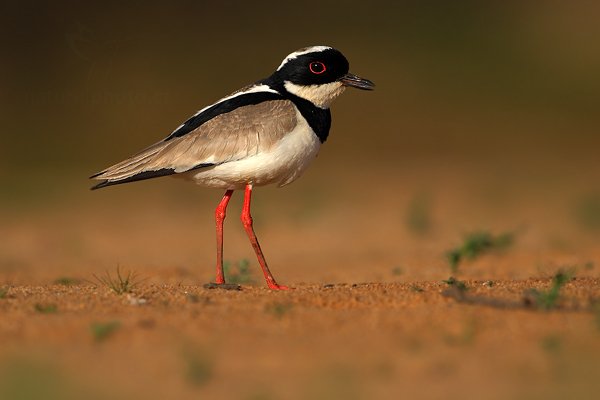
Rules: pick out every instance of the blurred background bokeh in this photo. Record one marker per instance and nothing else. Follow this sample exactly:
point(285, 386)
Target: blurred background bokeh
point(85, 82)
point(81, 82)
point(486, 110)
point(489, 110)
point(485, 118)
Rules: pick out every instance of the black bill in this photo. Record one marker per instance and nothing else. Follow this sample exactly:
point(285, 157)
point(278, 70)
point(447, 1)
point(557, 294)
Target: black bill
point(357, 82)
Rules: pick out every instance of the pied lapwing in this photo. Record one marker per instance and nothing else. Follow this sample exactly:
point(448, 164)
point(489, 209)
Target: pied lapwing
point(265, 133)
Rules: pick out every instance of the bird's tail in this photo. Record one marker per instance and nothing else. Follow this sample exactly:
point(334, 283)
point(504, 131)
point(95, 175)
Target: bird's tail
point(135, 168)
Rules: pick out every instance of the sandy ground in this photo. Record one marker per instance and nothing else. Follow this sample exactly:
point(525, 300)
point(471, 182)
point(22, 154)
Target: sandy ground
point(370, 315)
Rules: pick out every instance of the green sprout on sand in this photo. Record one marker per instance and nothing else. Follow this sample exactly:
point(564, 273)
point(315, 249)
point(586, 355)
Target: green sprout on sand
point(587, 212)
point(418, 218)
point(66, 281)
point(455, 283)
point(548, 299)
point(199, 367)
point(103, 330)
point(476, 244)
point(278, 309)
point(238, 273)
point(121, 283)
point(46, 308)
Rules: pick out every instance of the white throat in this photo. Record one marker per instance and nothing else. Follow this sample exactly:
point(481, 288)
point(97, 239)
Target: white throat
point(320, 95)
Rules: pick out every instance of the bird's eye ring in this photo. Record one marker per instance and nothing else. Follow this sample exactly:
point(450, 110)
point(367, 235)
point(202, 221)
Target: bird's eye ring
point(317, 67)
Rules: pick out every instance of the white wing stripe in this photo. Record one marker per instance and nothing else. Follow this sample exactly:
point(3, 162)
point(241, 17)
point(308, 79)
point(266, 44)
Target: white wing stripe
point(251, 89)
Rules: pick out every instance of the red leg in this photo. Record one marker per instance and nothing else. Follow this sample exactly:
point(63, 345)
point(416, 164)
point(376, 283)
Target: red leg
point(247, 221)
point(220, 213)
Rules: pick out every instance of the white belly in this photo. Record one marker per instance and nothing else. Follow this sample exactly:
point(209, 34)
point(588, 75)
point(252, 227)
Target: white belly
point(282, 164)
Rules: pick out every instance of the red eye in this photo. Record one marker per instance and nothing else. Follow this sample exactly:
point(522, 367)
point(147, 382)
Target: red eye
point(317, 67)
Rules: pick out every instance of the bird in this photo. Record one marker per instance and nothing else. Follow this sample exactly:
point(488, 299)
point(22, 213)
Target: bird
point(265, 133)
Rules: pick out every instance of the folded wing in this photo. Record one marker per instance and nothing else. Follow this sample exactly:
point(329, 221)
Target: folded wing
point(235, 135)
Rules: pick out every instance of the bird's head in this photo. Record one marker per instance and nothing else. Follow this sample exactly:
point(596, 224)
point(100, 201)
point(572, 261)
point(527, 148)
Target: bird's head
point(318, 74)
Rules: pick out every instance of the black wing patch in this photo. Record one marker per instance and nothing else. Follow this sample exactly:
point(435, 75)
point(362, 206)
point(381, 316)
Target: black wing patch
point(222, 108)
point(143, 176)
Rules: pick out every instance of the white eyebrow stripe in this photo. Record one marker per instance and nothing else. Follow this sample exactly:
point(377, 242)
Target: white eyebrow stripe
point(298, 53)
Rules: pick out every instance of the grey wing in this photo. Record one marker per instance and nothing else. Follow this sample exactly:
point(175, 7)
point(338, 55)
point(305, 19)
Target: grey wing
point(235, 135)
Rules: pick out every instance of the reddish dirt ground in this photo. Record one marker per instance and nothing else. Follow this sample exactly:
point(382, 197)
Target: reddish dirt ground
point(370, 315)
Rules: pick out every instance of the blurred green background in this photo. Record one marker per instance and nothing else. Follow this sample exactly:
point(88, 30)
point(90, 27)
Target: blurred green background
point(488, 110)
point(85, 84)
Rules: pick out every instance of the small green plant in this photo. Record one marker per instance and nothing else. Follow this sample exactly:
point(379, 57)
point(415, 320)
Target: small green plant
point(551, 343)
point(397, 271)
point(3, 292)
point(238, 273)
point(548, 299)
point(199, 368)
point(416, 289)
point(103, 330)
point(476, 244)
point(66, 281)
point(453, 282)
point(192, 297)
point(46, 308)
point(278, 309)
point(587, 212)
point(418, 218)
point(119, 284)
